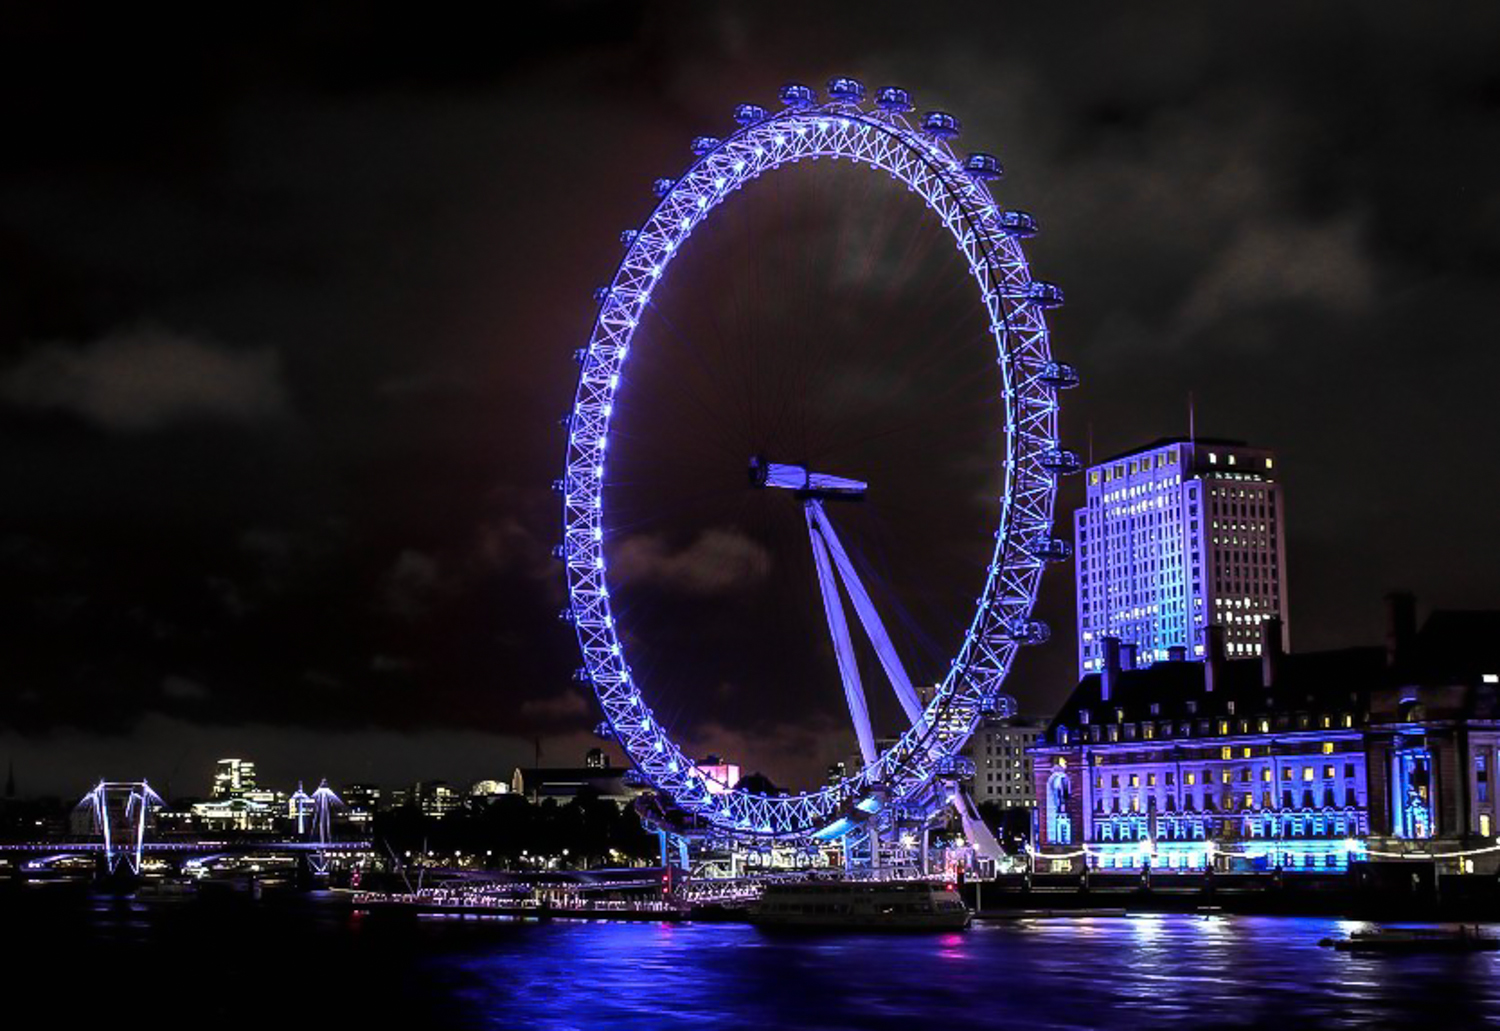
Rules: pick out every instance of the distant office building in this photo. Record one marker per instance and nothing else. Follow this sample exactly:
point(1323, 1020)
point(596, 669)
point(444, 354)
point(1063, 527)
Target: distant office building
point(1000, 750)
point(437, 798)
point(239, 813)
point(361, 803)
point(487, 789)
point(1174, 537)
point(233, 777)
point(237, 803)
point(957, 723)
point(854, 764)
point(565, 783)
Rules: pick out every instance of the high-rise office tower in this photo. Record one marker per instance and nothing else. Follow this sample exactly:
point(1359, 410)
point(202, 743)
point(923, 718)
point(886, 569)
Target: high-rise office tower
point(1176, 536)
point(233, 777)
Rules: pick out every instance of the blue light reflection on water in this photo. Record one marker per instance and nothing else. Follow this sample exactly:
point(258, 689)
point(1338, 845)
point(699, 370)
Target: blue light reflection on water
point(322, 966)
point(1141, 972)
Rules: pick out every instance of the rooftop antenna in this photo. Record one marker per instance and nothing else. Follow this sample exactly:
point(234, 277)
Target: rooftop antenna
point(1091, 442)
point(1192, 427)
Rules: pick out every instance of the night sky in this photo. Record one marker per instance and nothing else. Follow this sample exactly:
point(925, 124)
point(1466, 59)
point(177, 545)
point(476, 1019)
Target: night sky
point(287, 311)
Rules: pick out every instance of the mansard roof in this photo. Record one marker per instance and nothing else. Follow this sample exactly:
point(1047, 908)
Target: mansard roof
point(1321, 682)
point(1452, 647)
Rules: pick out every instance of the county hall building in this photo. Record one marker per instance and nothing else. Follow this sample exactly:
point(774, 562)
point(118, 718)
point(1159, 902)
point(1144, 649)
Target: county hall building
point(1300, 762)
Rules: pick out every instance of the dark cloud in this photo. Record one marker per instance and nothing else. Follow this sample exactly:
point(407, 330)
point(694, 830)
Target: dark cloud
point(1270, 266)
point(148, 378)
point(183, 689)
point(564, 707)
point(411, 583)
point(363, 249)
point(718, 561)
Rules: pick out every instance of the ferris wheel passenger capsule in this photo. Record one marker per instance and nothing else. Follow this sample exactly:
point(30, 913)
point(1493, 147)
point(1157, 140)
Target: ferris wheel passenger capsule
point(955, 767)
point(1059, 376)
point(893, 98)
point(1043, 294)
point(940, 124)
point(628, 236)
point(996, 705)
point(1016, 223)
point(845, 90)
point(794, 94)
point(601, 295)
point(662, 187)
point(1059, 461)
point(1029, 631)
point(983, 166)
point(749, 114)
point(1050, 549)
point(703, 144)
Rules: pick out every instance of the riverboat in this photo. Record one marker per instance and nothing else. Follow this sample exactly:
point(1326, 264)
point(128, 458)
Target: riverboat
point(1409, 939)
point(865, 905)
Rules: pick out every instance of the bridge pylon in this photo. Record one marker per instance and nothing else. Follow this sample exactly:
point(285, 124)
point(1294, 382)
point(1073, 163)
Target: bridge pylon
point(324, 801)
point(119, 810)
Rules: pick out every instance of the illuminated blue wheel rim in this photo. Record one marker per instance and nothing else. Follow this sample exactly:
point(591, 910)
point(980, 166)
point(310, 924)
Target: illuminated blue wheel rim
point(957, 191)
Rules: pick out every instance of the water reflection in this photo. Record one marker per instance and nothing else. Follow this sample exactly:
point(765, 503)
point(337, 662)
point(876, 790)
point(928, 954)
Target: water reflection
point(1158, 972)
point(1143, 972)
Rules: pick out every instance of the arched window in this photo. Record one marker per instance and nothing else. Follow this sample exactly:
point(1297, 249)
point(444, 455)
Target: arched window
point(1059, 824)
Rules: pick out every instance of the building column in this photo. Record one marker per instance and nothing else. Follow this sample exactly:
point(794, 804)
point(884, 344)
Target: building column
point(1086, 824)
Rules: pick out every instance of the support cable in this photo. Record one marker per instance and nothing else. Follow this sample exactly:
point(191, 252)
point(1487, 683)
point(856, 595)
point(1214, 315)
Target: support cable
point(843, 647)
point(869, 618)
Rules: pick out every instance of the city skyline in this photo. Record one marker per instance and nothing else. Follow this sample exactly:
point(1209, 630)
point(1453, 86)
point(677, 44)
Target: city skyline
point(287, 351)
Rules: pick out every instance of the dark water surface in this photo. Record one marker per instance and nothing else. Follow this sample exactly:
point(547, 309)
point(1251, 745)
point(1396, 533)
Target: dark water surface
point(308, 964)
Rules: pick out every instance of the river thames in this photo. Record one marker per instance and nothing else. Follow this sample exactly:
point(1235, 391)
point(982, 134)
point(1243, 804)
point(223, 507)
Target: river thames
point(300, 963)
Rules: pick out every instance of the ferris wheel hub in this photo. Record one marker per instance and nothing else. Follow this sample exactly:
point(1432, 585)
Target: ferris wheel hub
point(803, 482)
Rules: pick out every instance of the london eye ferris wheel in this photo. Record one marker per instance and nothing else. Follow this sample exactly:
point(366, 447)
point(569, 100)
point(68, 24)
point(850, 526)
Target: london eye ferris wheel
point(903, 780)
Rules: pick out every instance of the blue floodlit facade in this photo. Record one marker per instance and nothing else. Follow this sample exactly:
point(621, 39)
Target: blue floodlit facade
point(1298, 762)
point(1176, 536)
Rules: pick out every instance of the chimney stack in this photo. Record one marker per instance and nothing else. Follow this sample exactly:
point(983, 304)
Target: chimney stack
point(1111, 676)
point(1400, 627)
point(1271, 652)
point(1213, 658)
point(1177, 653)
